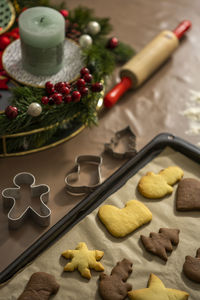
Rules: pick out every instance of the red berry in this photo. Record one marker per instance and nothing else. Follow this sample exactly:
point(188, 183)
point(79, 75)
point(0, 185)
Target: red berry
point(64, 12)
point(57, 98)
point(113, 43)
point(65, 90)
point(51, 101)
point(4, 42)
point(45, 100)
point(84, 91)
point(67, 98)
point(59, 85)
point(76, 96)
point(11, 112)
point(67, 84)
point(49, 84)
point(80, 83)
point(97, 87)
point(49, 87)
point(84, 71)
point(87, 78)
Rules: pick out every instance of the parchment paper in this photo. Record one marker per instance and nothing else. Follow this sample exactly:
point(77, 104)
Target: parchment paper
point(91, 231)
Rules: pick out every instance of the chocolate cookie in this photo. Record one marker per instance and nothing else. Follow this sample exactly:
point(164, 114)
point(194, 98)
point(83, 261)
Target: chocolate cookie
point(191, 267)
point(188, 195)
point(114, 287)
point(160, 243)
point(40, 287)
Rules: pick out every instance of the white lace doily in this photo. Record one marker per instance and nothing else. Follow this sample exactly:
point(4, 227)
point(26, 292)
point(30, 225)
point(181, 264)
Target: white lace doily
point(13, 65)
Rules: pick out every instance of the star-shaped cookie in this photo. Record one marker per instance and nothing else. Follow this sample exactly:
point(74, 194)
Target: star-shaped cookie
point(157, 291)
point(83, 259)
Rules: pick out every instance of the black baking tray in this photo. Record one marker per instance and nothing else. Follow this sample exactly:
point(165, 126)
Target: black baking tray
point(108, 187)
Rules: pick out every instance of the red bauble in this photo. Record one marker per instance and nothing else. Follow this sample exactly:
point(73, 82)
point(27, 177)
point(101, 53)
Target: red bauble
point(112, 43)
point(57, 98)
point(45, 100)
point(76, 96)
point(64, 12)
point(84, 91)
point(4, 42)
point(11, 112)
point(67, 99)
point(97, 87)
point(84, 71)
point(87, 78)
point(80, 83)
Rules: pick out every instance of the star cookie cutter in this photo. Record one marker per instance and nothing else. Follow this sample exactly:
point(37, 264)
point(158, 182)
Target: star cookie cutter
point(11, 195)
point(74, 175)
point(130, 139)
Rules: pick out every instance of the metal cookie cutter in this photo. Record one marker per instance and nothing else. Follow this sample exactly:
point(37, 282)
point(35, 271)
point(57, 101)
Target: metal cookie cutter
point(11, 195)
point(129, 137)
point(74, 175)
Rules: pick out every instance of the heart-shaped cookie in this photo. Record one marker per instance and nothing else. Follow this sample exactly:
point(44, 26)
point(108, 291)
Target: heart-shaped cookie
point(188, 195)
point(122, 221)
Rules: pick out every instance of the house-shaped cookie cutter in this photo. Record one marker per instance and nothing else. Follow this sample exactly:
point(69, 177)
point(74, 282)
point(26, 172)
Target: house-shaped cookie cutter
point(75, 173)
point(131, 138)
point(11, 195)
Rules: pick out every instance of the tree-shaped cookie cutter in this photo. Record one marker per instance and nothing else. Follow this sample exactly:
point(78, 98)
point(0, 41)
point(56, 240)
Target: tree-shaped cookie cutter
point(131, 138)
point(75, 174)
point(11, 195)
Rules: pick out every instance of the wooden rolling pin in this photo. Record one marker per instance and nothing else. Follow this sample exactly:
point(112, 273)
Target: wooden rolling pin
point(142, 65)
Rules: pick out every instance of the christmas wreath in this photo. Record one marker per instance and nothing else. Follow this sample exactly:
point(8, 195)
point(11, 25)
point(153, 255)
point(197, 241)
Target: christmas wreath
point(37, 117)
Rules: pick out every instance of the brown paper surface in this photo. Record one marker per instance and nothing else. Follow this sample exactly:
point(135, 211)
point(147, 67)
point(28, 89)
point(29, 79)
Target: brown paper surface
point(91, 231)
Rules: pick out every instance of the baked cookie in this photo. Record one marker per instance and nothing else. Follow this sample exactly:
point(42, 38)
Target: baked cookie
point(156, 186)
point(114, 287)
point(160, 243)
point(157, 291)
point(83, 259)
point(191, 267)
point(188, 195)
point(122, 221)
point(40, 286)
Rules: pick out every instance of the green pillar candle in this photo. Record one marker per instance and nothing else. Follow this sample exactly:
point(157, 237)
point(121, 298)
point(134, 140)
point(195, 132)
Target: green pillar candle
point(42, 34)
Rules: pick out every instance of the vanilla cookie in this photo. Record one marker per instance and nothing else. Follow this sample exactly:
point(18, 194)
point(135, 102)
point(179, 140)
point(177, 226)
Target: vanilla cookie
point(122, 221)
point(157, 291)
point(156, 186)
point(83, 259)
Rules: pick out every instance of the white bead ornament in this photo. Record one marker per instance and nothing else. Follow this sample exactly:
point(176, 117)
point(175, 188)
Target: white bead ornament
point(93, 27)
point(85, 40)
point(34, 109)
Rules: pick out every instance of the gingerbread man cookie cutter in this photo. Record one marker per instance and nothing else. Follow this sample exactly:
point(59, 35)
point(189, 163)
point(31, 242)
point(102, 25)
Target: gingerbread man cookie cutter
point(11, 195)
point(75, 174)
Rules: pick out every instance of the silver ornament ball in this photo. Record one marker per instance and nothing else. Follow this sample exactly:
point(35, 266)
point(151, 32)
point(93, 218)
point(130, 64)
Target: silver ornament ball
point(93, 27)
point(85, 40)
point(34, 109)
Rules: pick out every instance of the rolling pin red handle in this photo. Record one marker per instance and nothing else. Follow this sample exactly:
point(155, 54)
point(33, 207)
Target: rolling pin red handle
point(113, 96)
point(182, 28)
